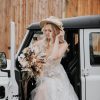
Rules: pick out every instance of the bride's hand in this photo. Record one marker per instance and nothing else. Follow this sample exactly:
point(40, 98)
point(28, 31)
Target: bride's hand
point(60, 37)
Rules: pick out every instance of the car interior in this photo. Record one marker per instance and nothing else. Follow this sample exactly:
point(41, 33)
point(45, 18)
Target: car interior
point(71, 61)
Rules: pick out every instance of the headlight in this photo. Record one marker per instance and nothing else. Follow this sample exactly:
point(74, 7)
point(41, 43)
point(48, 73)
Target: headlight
point(2, 92)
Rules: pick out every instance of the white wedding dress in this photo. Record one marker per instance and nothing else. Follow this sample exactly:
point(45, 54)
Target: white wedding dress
point(54, 84)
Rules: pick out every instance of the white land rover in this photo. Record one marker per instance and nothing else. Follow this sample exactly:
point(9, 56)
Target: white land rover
point(82, 62)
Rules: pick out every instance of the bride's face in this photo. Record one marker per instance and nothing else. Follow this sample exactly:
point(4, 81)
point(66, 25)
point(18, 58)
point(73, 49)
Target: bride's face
point(48, 31)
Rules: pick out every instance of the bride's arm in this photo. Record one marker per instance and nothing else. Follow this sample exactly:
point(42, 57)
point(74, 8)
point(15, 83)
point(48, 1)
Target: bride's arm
point(59, 49)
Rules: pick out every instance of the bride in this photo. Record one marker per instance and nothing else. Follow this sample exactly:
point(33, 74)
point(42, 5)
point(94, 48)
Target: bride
point(53, 83)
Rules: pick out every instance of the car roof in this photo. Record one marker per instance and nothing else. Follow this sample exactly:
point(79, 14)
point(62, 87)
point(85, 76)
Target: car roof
point(80, 22)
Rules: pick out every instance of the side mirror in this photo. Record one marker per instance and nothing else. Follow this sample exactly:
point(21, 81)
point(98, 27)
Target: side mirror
point(3, 60)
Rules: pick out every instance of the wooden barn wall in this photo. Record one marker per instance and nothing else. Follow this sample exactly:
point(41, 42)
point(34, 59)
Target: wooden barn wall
point(24, 12)
point(82, 7)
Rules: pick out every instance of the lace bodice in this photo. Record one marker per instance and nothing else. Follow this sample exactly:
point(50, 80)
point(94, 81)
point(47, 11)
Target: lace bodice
point(51, 68)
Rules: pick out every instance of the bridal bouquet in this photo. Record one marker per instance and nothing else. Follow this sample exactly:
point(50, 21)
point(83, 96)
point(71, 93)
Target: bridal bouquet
point(32, 60)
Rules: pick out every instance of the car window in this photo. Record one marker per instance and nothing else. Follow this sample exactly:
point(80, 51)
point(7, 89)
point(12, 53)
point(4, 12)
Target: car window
point(94, 40)
point(37, 36)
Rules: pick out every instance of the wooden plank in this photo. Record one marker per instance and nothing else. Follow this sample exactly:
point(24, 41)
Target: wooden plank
point(3, 26)
point(7, 28)
point(17, 21)
point(95, 7)
point(1, 10)
point(98, 7)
